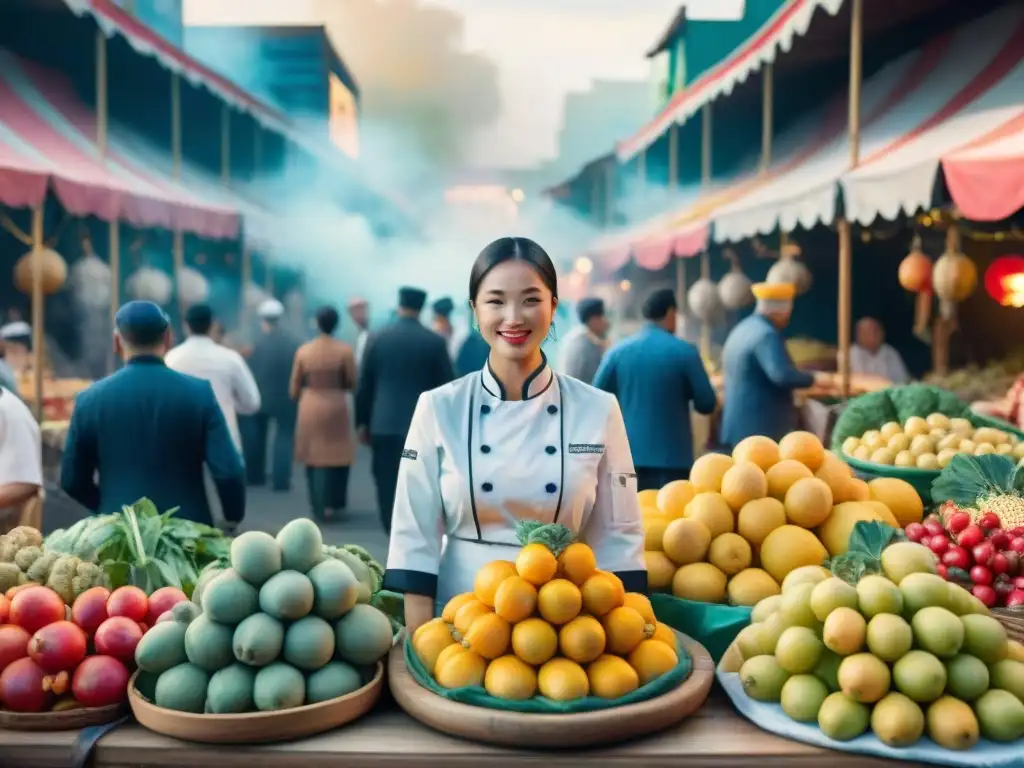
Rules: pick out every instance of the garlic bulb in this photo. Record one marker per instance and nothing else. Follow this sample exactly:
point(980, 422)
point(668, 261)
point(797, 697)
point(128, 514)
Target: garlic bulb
point(193, 287)
point(702, 299)
point(734, 289)
point(149, 284)
point(789, 269)
point(91, 281)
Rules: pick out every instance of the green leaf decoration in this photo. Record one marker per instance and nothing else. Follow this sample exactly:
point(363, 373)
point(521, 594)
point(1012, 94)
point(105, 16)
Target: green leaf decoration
point(969, 478)
point(869, 538)
point(552, 535)
point(391, 604)
point(852, 566)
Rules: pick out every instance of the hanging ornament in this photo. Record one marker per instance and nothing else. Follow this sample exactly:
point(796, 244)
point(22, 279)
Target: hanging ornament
point(703, 301)
point(790, 269)
point(194, 288)
point(54, 269)
point(1004, 280)
point(915, 272)
point(954, 276)
point(91, 281)
point(734, 289)
point(149, 284)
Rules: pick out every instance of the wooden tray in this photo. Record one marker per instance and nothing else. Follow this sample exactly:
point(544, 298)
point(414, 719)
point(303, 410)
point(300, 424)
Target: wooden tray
point(71, 720)
point(534, 731)
point(258, 727)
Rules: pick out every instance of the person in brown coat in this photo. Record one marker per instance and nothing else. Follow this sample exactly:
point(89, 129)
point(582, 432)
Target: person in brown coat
point(323, 376)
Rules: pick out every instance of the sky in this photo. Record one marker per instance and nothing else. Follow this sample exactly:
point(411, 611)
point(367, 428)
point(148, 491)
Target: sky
point(543, 50)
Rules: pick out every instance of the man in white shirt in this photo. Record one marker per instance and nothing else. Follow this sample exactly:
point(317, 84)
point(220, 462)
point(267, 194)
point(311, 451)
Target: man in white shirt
point(359, 311)
point(232, 381)
point(872, 356)
point(584, 346)
point(21, 462)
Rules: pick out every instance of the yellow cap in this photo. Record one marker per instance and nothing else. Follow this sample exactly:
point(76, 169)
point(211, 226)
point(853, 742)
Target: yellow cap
point(774, 291)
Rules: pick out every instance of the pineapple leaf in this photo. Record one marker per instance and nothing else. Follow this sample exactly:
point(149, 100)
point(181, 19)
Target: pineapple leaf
point(969, 478)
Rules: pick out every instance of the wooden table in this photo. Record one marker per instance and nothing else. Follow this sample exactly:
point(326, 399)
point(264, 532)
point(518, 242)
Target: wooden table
point(389, 738)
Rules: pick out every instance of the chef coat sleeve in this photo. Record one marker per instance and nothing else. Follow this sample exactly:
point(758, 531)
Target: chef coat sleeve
point(614, 530)
point(778, 366)
point(417, 522)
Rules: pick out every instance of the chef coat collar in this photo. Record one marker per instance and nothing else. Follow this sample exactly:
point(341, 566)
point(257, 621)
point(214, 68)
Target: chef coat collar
point(536, 383)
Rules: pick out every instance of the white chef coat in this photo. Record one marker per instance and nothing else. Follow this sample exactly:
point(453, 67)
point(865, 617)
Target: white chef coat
point(229, 375)
point(475, 464)
point(885, 362)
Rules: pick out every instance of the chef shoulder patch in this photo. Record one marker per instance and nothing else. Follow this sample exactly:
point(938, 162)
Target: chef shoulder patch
point(409, 453)
point(586, 448)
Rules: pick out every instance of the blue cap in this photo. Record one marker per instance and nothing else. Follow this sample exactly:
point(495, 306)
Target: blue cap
point(443, 306)
point(141, 322)
point(412, 298)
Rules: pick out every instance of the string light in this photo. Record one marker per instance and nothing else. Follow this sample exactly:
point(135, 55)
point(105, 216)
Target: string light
point(584, 265)
point(625, 286)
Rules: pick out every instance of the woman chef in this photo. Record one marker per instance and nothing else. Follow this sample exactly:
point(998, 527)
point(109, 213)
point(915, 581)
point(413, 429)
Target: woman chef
point(512, 442)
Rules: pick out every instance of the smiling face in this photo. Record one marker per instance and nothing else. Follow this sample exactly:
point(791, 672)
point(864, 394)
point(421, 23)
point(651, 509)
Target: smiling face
point(514, 310)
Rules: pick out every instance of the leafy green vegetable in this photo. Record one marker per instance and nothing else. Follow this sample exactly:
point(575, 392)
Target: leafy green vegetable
point(863, 556)
point(898, 404)
point(966, 479)
point(392, 605)
point(140, 545)
point(553, 536)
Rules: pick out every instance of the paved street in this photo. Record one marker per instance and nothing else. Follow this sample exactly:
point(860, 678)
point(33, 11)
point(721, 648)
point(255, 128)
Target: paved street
point(269, 511)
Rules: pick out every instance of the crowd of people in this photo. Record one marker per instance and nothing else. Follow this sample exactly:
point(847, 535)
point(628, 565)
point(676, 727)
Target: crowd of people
point(191, 425)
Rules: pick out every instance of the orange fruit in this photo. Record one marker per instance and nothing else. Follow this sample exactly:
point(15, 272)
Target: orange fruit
point(577, 563)
point(536, 564)
point(489, 577)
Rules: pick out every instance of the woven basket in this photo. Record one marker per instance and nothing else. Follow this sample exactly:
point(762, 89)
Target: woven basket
point(1013, 620)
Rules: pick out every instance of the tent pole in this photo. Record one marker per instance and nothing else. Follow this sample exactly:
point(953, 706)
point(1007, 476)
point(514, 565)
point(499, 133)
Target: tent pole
point(114, 252)
point(845, 303)
point(179, 236)
point(705, 146)
point(102, 105)
point(767, 116)
point(38, 334)
point(246, 279)
point(705, 326)
point(102, 122)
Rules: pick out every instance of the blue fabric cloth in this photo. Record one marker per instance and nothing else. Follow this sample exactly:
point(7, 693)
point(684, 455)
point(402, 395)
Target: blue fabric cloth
point(147, 431)
point(655, 377)
point(759, 381)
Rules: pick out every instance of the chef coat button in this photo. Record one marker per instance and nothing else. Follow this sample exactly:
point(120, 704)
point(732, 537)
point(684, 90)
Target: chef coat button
point(487, 487)
point(485, 409)
point(485, 449)
point(551, 450)
point(552, 409)
point(550, 487)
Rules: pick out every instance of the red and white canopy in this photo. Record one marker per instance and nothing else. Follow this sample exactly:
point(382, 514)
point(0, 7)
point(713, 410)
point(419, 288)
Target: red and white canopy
point(958, 87)
point(778, 34)
point(986, 178)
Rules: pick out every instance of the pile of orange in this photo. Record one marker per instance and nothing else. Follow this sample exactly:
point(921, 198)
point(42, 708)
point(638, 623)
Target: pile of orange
point(556, 627)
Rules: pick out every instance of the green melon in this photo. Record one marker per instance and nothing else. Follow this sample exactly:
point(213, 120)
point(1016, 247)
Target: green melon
point(335, 589)
point(302, 545)
point(287, 595)
point(363, 635)
point(278, 686)
point(258, 640)
point(256, 556)
point(229, 598)
point(182, 688)
point(309, 643)
point(208, 644)
point(230, 690)
point(334, 680)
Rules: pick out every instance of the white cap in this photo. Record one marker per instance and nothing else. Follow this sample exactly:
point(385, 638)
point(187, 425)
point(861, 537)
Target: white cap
point(271, 309)
point(15, 330)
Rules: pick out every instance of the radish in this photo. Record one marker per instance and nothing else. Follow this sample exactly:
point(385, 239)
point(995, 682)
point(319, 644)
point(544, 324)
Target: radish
point(982, 553)
point(958, 521)
point(990, 521)
point(1015, 598)
point(1000, 540)
point(915, 532)
point(986, 594)
point(938, 544)
point(999, 564)
point(934, 528)
point(957, 557)
point(971, 536)
point(981, 575)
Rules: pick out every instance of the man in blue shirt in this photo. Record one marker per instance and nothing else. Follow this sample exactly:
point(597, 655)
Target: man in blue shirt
point(655, 377)
point(759, 374)
point(147, 431)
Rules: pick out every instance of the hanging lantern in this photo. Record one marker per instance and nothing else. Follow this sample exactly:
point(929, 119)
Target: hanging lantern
point(790, 269)
point(954, 276)
point(91, 281)
point(734, 289)
point(915, 272)
point(149, 284)
point(194, 288)
point(703, 301)
point(54, 268)
point(1004, 281)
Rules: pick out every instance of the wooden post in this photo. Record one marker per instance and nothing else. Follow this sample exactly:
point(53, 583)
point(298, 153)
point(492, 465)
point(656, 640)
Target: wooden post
point(705, 146)
point(102, 105)
point(680, 285)
point(845, 303)
point(114, 229)
point(225, 145)
point(705, 326)
point(38, 332)
point(673, 157)
point(767, 116)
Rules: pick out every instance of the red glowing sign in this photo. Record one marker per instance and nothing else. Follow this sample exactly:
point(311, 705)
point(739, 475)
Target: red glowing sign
point(1004, 280)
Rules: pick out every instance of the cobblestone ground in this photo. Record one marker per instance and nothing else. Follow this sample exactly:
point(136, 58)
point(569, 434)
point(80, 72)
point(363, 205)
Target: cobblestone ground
point(268, 511)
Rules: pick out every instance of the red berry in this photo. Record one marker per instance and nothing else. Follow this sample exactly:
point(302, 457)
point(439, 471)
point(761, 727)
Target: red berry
point(983, 552)
point(990, 521)
point(981, 575)
point(934, 528)
point(971, 536)
point(1017, 544)
point(999, 564)
point(915, 532)
point(958, 521)
point(938, 544)
point(986, 594)
point(957, 557)
point(1000, 540)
